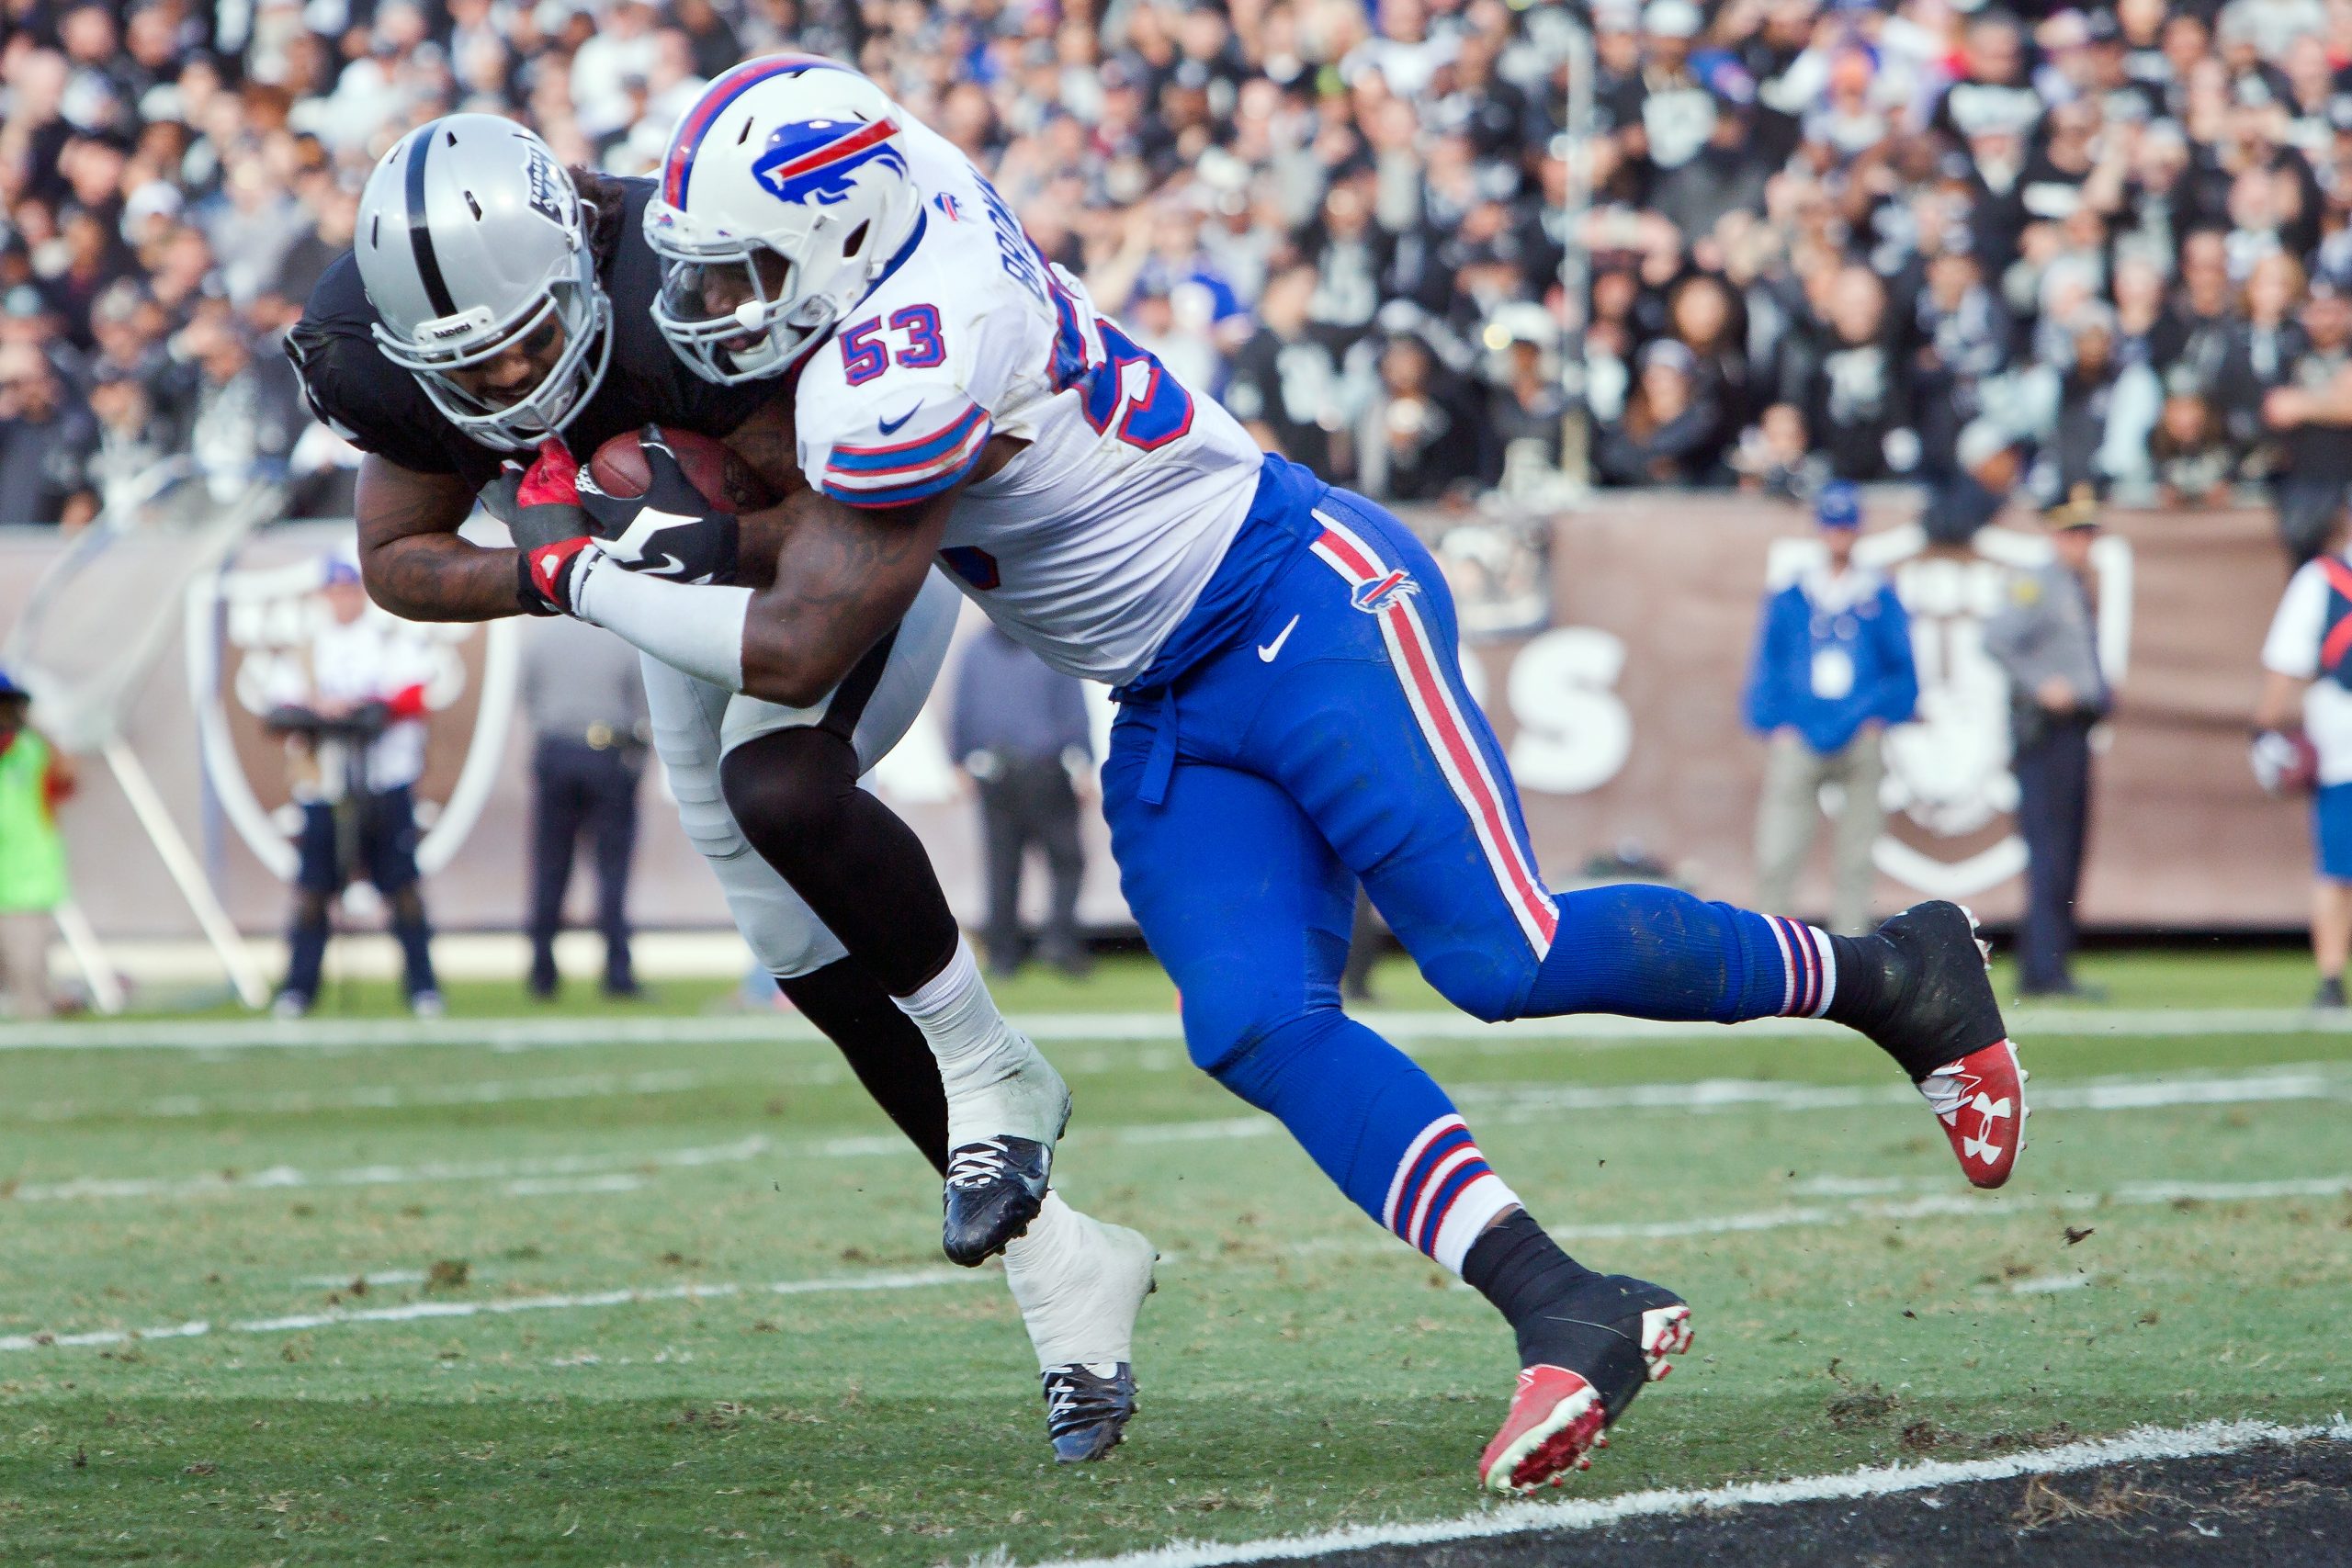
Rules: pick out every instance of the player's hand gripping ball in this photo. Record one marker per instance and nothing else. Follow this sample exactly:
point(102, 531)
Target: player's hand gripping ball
point(664, 502)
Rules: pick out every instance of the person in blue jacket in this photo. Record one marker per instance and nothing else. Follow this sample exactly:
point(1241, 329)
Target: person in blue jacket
point(1833, 669)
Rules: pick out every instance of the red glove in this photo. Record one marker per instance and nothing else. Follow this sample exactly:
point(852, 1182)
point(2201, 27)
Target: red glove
point(554, 573)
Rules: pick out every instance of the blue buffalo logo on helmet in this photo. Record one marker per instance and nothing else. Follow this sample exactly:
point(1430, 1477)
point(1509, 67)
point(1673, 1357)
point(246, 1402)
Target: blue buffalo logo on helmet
point(1378, 593)
point(815, 161)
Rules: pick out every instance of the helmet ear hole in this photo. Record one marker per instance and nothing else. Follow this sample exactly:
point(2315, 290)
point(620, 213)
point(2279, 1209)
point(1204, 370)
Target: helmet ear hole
point(857, 239)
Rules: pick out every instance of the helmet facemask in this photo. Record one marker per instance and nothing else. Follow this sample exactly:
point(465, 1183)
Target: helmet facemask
point(573, 304)
point(732, 309)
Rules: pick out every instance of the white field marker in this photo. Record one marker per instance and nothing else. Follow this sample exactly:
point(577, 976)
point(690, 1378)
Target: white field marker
point(1492, 1105)
point(2139, 1445)
point(1404, 1025)
point(412, 1312)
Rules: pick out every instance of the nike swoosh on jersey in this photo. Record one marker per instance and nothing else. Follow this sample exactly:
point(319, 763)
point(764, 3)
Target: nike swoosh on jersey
point(892, 426)
point(1267, 650)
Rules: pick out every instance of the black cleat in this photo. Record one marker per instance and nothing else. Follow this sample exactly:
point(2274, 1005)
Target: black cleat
point(1936, 1002)
point(1088, 1408)
point(1601, 1342)
point(994, 1189)
point(1939, 1018)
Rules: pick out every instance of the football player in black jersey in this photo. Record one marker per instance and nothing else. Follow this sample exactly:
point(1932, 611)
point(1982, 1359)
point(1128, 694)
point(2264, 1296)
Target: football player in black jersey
point(490, 332)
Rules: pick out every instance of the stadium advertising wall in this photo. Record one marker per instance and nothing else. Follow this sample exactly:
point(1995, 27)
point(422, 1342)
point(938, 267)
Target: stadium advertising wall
point(1622, 716)
point(1610, 648)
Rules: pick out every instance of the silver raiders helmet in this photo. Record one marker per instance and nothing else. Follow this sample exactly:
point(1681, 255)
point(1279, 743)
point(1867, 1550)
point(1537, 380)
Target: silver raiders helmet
point(472, 242)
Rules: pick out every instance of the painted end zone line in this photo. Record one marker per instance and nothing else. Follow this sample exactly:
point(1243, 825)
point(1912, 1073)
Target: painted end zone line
point(2137, 1446)
point(410, 1311)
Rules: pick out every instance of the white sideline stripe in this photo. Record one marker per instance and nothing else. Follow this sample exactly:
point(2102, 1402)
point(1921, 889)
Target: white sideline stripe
point(2138, 1446)
point(1497, 1104)
point(541, 1034)
point(2314, 1080)
point(500, 1091)
point(523, 1176)
point(395, 1097)
point(411, 1312)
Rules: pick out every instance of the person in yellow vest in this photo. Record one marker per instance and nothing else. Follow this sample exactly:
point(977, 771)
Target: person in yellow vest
point(33, 778)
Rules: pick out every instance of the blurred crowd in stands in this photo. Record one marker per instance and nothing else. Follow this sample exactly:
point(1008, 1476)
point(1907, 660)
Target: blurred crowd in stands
point(1927, 242)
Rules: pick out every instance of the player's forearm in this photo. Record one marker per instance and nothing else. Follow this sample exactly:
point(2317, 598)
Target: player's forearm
point(696, 628)
point(410, 556)
point(439, 577)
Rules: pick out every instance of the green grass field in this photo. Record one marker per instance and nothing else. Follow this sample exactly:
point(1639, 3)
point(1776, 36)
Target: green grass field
point(683, 1303)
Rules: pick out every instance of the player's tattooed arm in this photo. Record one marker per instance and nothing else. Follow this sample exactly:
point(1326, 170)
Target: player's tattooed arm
point(843, 577)
point(411, 556)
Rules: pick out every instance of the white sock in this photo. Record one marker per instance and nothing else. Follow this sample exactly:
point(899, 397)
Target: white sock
point(1079, 1283)
point(997, 1083)
point(958, 1016)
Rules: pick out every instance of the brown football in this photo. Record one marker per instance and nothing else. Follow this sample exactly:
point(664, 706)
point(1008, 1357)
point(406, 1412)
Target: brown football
point(711, 466)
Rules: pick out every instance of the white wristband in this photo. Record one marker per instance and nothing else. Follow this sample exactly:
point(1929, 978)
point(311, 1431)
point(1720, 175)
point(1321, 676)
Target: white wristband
point(696, 628)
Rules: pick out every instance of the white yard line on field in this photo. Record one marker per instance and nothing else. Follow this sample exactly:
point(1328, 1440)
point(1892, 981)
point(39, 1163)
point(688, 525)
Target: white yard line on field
point(411, 1312)
point(1489, 1104)
point(2139, 1445)
point(1982, 1206)
point(544, 1033)
point(2315, 1081)
point(755, 1085)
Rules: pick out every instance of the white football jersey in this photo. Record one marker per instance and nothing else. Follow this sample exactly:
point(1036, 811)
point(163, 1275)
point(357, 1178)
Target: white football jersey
point(1091, 545)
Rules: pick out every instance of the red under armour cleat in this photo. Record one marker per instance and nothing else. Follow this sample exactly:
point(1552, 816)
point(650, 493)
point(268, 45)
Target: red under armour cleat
point(1980, 1101)
point(1557, 1415)
point(1940, 1009)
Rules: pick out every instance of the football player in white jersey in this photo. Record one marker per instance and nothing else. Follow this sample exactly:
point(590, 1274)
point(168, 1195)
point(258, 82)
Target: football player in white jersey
point(1292, 716)
point(497, 308)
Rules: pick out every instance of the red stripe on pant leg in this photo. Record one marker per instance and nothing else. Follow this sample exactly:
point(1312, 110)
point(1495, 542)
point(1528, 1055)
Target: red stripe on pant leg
point(1465, 762)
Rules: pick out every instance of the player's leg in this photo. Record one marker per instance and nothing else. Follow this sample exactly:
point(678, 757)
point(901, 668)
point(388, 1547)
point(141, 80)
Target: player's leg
point(1247, 908)
point(790, 779)
point(1371, 730)
point(1079, 1281)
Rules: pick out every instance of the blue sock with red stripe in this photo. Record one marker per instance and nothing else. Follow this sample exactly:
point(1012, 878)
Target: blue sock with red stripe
point(1642, 951)
point(1379, 1127)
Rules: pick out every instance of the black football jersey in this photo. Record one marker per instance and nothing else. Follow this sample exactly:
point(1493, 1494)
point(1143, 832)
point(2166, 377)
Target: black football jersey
point(379, 408)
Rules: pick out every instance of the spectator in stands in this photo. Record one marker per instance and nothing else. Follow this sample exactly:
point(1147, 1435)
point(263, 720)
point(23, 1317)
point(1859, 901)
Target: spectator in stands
point(1882, 217)
point(2193, 463)
point(240, 413)
point(34, 778)
point(1020, 734)
point(1421, 434)
point(1832, 670)
point(1671, 429)
point(2309, 408)
point(46, 438)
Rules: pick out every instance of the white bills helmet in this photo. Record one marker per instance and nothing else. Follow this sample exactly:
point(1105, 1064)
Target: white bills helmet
point(785, 196)
point(471, 242)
